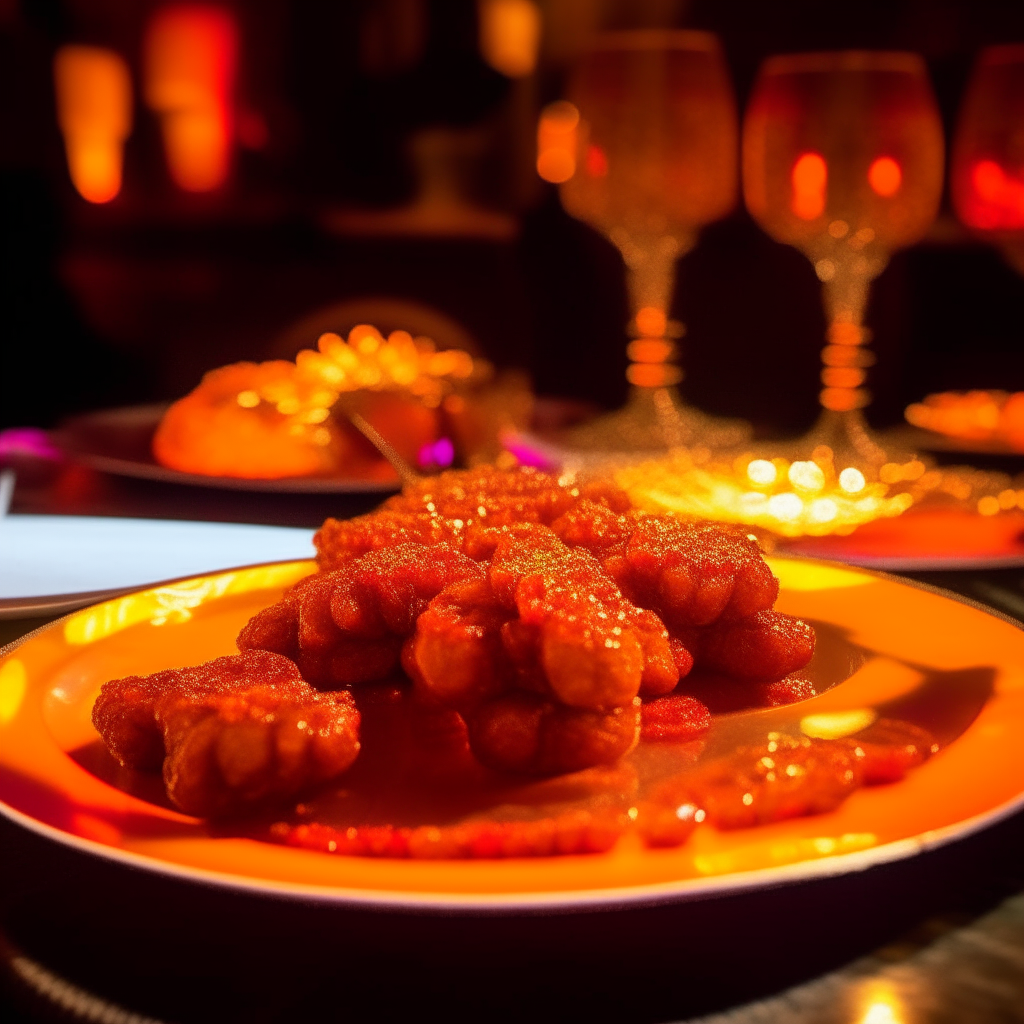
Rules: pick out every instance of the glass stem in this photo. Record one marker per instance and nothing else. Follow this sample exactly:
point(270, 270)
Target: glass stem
point(650, 279)
point(845, 359)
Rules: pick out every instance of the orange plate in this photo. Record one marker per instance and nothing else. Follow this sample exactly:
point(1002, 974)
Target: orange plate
point(49, 681)
point(943, 538)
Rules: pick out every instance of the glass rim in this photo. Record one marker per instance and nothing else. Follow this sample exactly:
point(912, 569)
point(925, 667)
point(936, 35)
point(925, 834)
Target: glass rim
point(654, 39)
point(843, 60)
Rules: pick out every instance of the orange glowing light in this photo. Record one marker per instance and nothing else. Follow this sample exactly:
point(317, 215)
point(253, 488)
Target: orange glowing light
point(842, 377)
point(650, 350)
point(94, 109)
point(842, 332)
point(810, 180)
point(651, 322)
point(843, 399)
point(653, 375)
point(885, 176)
point(189, 61)
point(557, 141)
point(510, 36)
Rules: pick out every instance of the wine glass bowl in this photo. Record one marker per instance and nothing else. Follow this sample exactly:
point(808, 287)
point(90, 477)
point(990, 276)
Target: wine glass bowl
point(655, 133)
point(843, 159)
point(987, 172)
point(658, 135)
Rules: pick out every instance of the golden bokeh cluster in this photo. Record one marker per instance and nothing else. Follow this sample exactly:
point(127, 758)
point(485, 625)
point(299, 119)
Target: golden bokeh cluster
point(790, 498)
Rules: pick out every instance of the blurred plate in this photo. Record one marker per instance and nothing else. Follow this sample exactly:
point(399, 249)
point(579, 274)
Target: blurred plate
point(51, 564)
point(119, 441)
point(939, 659)
point(925, 539)
point(915, 438)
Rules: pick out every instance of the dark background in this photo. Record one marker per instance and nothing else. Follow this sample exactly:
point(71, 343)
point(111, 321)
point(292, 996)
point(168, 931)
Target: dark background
point(132, 301)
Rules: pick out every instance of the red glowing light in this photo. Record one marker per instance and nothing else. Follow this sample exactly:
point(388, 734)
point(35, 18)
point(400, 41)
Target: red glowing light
point(810, 180)
point(885, 176)
point(995, 199)
point(596, 162)
point(190, 57)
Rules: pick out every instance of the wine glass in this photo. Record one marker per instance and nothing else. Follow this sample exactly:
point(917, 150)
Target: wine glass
point(843, 159)
point(987, 173)
point(652, 125)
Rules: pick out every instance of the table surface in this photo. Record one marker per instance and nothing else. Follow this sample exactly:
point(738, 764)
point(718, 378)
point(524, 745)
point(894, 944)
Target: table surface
point(940, 942)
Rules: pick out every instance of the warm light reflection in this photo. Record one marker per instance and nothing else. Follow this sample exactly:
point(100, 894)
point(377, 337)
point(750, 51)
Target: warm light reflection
point(809, 178)
point(189, 65)
point(94, 110)
point(881, 1004)
point(885, 176)
point(13, 681)
point(510, 35)
point(557, 141)
point(175, 604)
point(757, 854)
point(805, 497)
point(837, 724)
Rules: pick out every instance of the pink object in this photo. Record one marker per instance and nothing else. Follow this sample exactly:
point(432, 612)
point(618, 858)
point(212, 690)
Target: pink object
point(28, 441)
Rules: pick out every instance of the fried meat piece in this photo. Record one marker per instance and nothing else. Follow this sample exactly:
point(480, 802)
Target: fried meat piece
point(596, 648)
point(784, 778)
point(500, 496)
point(348, 625)
point(765, 647)
point(544, 658)
point(338, 541)
point(546, 619)
point(444, 509)
point(125, 710)
point(677, 718)
point(524, 732)
point(889, 748)
point(691, 574)
point(456, 655)
point(232, 733)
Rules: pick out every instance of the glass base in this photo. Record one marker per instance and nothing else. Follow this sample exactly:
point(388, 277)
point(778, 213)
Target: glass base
point(852, 443)
point(655, 421)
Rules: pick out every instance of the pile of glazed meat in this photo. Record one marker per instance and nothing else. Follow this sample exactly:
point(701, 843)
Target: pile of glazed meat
point(550, 620)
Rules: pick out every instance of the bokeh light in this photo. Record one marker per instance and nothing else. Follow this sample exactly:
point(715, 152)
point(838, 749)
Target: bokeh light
point(810, 180)
point(189, 63)
point(94, 110)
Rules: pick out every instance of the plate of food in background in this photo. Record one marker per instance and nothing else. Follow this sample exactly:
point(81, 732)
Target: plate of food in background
point(505, 690)
point(285, 425)
point(979, 422)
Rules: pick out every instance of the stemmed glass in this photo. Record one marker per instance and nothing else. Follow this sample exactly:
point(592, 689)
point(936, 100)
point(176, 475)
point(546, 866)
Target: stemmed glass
point(987, 174)
point(654, 126)
point(843, 159)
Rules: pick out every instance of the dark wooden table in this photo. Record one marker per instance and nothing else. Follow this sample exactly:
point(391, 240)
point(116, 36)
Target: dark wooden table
point(934, 940)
